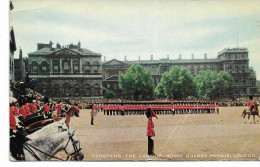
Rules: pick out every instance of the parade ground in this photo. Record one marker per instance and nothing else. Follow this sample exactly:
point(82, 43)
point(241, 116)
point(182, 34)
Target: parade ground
point(188, 137)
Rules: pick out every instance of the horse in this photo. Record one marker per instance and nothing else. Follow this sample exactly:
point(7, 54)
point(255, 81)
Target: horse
point(69, 114)
point(18, 138)
point(255, 111)
point(44, 148)
point(54, 127)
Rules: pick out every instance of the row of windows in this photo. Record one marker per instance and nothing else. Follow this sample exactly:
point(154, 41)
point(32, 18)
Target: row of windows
point(66, 67)
point(67, 90)
point(192, 68)
point(235, 57)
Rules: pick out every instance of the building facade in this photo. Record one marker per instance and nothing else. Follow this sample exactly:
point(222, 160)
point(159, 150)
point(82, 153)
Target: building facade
point(12, 49)
point(235, 61)
point(66, 72)
point(20, 67)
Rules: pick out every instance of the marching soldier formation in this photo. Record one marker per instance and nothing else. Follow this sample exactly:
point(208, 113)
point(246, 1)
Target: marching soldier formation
point(139, 108)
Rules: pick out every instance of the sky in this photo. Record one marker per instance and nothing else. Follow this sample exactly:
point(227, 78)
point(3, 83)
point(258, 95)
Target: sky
point(117, 28)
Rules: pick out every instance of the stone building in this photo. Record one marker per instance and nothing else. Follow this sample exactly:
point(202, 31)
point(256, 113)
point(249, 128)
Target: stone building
point(12, 49)
point(233, 60)
point(20, 67)
point(66, 72)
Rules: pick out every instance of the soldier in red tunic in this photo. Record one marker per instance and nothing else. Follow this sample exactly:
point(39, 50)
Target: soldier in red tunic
point(250, 104)
point(46, 110)
point(33, 107)
point(13, 112)
point(92, 116)
point(150, 131)
point(22, 111)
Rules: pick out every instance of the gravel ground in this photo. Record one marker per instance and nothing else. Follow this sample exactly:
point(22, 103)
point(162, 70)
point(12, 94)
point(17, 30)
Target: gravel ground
point(189, 137)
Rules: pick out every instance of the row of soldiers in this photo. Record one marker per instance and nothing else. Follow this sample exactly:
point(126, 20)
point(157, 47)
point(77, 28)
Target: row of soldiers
point(158, 108)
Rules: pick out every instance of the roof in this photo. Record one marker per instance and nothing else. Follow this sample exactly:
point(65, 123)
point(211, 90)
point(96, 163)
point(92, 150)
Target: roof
point(49, 50)
point(114, 62)
point(112, 78)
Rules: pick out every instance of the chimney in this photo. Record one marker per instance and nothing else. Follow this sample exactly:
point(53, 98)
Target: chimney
point(125, 58)
point(192, 56)
point(79, 45)
point(105, 59)
point(205, 56)
point(139, 58)
point(180, 56)
point(50, 44)
point(151, 57)
point(58, 45)
point(168, 57)
point(20, 54)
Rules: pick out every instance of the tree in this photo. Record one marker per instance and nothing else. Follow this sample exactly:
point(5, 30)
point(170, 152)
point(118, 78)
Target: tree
point(177, 83)
point(213, 85)
point(204, 81)
point(136, 82)
point(107, 93)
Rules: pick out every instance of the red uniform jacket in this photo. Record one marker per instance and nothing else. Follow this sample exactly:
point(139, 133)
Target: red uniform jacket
point(250, 104)
point(33, 108)
point(59, 109)
point(14, 110)
point(27, 109)
point(150, 126)
point(46, 109)
point(12, 122)
point(22, 111)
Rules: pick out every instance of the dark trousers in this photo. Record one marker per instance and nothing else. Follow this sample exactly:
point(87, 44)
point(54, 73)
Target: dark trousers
point(92, 120)
point(150, 145)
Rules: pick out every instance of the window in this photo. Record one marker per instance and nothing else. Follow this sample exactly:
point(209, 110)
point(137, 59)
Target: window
point(75, 66)
point(87, 90)
point(55, 67)
point(96, 90)
point(87, 67)
point(44, 66)
point(66, 88)
point(108, 85)
point(163, 69)
point(34, 67)
point(95, 67)
point(77, 90)
point(66, 66)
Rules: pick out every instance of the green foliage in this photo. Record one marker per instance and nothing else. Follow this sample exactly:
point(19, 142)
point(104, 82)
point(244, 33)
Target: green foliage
point(177, 83)
point(213, 85)
point(258, 86)
point(136, 83)
point(107, 93)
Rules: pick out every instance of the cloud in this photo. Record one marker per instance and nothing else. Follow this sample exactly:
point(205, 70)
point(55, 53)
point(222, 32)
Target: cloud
point(116, 28)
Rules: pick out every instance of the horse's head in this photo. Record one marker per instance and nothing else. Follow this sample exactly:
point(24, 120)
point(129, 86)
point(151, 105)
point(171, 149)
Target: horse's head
point(256, 103)
point(73, 148)
point(73, 110)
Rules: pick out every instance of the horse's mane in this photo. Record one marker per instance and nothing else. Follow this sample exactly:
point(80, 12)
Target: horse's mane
point(48, 129)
